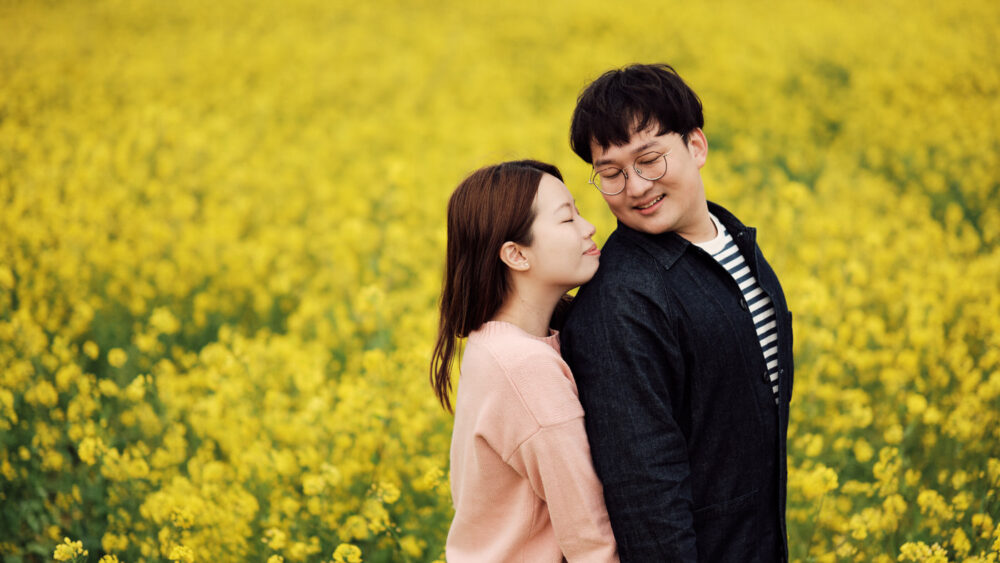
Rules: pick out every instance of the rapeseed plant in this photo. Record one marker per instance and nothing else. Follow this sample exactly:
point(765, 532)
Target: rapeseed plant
point(223, 236)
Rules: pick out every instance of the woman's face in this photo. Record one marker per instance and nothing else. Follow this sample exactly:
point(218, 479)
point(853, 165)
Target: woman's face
point(561, 254)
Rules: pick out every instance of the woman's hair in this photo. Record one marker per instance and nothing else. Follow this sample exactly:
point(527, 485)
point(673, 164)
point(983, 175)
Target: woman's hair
point(495, 204)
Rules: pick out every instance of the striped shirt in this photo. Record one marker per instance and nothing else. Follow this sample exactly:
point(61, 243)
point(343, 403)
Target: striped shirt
point(726, 253)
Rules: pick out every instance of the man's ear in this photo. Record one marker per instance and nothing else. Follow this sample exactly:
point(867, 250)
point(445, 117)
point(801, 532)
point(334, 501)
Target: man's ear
point(510, 254)
point(698, 146)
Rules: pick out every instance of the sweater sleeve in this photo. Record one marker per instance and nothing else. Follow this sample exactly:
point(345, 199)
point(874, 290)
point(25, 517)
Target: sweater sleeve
point(556, 461)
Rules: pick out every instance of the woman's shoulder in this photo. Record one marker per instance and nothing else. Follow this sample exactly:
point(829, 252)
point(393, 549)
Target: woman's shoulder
point(533, 369)
point(517, 353)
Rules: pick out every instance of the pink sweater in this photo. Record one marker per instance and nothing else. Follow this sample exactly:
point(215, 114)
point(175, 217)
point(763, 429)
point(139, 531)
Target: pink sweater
point(522, 480)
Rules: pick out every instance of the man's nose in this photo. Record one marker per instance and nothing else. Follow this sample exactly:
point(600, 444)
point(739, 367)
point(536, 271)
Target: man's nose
point(636, 185)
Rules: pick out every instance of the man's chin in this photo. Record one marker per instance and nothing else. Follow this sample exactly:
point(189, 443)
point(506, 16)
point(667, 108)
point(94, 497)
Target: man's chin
point(648, 225)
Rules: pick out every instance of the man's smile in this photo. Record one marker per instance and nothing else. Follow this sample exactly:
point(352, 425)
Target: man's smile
point(651, 205)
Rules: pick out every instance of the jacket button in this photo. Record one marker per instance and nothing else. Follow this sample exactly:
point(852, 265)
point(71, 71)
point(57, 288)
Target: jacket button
point(743, 304)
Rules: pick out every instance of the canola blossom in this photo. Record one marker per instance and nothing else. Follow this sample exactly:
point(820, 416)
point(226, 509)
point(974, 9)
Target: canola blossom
point(222, 232)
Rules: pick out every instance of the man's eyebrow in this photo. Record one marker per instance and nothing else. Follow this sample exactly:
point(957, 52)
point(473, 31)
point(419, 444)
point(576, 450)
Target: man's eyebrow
point(636, 151)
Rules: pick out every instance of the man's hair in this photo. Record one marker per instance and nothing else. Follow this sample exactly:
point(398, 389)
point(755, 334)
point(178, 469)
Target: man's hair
point(623, 101)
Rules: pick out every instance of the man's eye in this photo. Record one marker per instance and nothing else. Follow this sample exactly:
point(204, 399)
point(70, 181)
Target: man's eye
point(610, 174)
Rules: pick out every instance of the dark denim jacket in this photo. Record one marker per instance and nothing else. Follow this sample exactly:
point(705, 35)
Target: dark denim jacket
point(683, 428)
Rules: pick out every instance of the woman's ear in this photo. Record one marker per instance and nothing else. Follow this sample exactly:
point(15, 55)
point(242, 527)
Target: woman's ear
point(510, 254)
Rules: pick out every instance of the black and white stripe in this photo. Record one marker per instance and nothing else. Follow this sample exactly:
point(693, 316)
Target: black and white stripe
point(758, 302)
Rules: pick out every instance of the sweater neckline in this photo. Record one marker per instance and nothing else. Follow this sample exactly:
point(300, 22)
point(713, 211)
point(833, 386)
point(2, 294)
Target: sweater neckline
point(503, 327)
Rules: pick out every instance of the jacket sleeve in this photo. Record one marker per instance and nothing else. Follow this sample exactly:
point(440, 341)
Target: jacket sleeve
point(629, 370)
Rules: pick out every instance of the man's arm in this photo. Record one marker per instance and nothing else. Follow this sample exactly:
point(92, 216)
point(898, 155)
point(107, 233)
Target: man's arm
point(629, 370)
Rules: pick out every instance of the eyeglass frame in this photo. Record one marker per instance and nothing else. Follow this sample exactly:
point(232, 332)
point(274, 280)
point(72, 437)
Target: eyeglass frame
point(664, 156)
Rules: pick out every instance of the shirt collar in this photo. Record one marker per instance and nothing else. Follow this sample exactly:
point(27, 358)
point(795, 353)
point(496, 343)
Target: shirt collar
point(668, 247)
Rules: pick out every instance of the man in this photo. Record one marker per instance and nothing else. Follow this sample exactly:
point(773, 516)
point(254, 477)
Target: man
point(681, 345)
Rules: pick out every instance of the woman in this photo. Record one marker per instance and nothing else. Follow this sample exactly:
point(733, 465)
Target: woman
point(522, 481)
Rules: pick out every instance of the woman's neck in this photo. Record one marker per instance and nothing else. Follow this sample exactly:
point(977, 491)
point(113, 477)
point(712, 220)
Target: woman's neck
point(531, 311)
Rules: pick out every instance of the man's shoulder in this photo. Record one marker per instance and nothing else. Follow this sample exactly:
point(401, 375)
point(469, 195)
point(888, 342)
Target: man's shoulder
point(629, 275)
point(625, 259)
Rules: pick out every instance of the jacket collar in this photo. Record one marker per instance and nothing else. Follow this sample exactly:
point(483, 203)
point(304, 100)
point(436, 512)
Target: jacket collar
point(668, 247)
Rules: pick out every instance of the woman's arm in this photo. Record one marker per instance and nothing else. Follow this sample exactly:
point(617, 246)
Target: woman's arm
point(556, 461)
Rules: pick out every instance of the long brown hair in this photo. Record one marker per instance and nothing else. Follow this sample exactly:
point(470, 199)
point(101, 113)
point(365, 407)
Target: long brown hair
point(495, 204)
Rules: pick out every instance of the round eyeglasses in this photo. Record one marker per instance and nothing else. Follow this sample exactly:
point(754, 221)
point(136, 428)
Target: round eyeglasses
point(610, 180)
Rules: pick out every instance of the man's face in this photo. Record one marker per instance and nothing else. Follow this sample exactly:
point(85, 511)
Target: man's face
point(676, 201)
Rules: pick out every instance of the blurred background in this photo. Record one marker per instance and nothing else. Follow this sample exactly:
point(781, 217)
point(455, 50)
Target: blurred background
point(222, 239)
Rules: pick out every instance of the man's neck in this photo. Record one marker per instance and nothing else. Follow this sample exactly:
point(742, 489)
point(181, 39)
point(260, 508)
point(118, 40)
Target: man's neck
point(702, 228)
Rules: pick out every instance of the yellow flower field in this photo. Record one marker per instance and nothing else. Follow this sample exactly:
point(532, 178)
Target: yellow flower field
point(222, 237)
